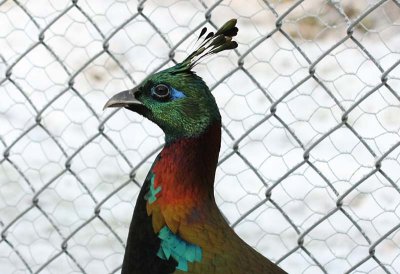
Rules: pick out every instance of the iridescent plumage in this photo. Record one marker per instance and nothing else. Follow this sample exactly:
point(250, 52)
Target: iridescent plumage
point(177, 226)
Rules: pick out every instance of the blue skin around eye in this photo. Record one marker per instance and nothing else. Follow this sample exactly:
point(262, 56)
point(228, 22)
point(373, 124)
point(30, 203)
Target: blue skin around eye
point(176, 94)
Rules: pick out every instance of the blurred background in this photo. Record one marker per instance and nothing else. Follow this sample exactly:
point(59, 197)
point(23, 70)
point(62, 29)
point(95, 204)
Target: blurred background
point(309, 168)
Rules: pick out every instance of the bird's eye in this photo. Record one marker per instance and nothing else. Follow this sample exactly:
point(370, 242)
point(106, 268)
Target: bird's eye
point(161, 92)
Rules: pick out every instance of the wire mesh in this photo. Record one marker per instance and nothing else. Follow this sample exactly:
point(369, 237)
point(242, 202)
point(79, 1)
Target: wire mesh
point(309, 165)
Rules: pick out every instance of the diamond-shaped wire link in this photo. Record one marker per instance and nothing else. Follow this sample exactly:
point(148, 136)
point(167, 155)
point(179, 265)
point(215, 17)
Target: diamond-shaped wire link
point(309, 167)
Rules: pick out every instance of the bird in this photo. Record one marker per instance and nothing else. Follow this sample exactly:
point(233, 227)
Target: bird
point(176, 225)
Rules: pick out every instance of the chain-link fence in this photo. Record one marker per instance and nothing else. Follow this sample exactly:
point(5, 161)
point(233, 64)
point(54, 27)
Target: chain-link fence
point(309, 168)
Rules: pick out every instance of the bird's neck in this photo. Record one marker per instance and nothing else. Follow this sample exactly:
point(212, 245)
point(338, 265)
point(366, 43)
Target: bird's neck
point(186, 167)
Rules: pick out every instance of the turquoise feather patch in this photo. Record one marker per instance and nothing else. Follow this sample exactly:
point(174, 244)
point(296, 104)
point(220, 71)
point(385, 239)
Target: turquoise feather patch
point(151, 194)
point(174, 246)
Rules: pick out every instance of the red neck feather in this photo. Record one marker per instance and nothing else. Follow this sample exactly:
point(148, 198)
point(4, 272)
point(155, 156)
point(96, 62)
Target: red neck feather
point(186, 168)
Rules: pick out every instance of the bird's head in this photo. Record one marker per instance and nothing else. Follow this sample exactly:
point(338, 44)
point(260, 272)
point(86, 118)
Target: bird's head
point(176, 99)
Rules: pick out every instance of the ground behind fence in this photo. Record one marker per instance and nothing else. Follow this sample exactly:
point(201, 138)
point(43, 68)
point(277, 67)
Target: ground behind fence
point(309, 165)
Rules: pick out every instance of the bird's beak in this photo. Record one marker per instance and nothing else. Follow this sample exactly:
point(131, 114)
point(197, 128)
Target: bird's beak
point(125, 98)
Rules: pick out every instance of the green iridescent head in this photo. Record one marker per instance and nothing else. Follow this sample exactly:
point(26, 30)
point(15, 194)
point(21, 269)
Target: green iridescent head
point(176, 99)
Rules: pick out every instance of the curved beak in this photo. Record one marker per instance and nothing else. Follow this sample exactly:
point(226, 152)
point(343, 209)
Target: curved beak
point(125, 98)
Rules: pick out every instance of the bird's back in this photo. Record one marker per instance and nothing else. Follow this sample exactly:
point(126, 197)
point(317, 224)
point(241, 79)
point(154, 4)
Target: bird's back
point(226, 253)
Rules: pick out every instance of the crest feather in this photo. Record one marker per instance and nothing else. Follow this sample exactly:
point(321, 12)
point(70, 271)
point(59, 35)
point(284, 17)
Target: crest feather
point(213, 43)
